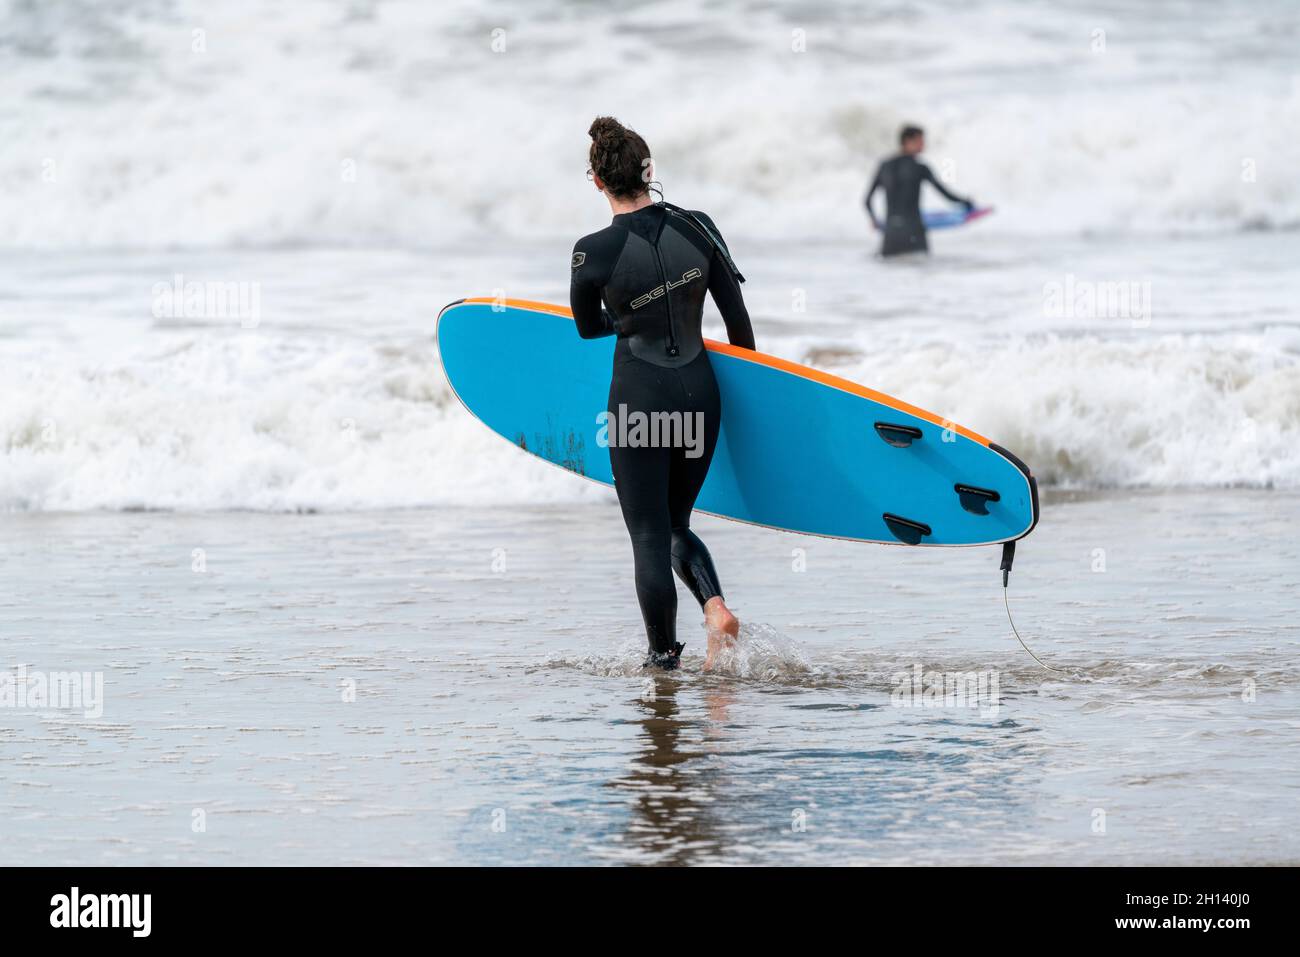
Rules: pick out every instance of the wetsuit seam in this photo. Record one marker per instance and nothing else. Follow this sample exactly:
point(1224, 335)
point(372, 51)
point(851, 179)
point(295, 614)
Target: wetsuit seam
point(622, 248)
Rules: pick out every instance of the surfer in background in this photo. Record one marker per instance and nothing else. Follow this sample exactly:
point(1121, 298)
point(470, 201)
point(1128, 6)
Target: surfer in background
point(643, 278)
point(901, 177)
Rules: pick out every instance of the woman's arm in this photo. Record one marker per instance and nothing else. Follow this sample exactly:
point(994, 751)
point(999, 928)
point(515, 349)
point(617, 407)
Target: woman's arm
point(593, 260)
point(589, 314)
point(726, 293)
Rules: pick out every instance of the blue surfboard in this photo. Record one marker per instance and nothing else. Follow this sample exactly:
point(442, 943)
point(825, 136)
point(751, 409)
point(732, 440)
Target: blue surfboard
point(948, 218)
point(799, 449)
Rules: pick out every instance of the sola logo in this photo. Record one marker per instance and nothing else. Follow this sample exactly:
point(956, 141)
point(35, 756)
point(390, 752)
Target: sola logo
point(102, 910)
point(669, 286)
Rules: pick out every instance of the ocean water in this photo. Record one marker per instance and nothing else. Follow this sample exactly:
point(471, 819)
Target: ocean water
point(336, 620)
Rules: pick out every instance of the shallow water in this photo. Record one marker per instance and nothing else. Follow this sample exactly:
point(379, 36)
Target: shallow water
point(501, 716)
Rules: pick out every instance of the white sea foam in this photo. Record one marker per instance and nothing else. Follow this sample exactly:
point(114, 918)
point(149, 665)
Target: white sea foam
point(255, 422)
point(1164, 411)
point(260, 421)
point(153, 125)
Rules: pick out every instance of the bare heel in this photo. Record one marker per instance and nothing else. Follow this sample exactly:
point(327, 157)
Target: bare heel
point(722, 626)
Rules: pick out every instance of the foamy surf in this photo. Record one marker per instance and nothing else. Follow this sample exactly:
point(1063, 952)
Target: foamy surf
point(281, 422)
point(356, 122)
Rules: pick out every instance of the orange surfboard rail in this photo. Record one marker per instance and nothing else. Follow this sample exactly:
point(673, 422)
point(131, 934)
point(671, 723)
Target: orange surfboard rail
point(775, 362)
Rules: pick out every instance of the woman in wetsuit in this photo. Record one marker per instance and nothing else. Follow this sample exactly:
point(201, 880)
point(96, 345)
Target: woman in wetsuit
point(643, 279)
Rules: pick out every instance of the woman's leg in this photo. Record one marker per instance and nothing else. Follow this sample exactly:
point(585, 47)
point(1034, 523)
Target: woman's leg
point(690, 557)
point(641, 476)
point(699, 398)
point(641, 481)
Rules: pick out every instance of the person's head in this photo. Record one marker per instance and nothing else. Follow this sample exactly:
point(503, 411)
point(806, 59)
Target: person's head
point(911, 139)
point(620, 161)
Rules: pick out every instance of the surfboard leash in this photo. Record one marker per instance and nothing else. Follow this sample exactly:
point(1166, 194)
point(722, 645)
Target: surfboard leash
point(1008, 557)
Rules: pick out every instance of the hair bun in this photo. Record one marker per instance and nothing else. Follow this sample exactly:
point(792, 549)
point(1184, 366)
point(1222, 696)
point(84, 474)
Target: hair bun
point(619, 158)
point(606, 132)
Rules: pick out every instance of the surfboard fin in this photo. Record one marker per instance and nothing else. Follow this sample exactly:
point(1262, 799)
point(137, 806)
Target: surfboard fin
point(976, 499)
point(899, 436)
point(906, 530)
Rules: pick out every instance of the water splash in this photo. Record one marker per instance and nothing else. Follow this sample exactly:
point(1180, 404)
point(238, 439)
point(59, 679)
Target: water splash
point(761, 653)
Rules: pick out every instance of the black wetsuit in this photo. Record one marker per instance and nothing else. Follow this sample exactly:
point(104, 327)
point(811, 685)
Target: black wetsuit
point(643, 278)
point(901, 178)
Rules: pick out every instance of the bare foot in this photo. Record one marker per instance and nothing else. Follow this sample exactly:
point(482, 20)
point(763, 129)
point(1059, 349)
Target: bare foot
point(722, 628)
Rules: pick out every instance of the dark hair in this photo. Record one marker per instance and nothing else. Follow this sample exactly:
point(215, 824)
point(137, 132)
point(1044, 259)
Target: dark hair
point(909, 132)
point(619, 158)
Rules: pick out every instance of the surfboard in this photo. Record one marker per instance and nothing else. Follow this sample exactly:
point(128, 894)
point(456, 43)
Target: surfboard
point(799, 449)
point(948, 218)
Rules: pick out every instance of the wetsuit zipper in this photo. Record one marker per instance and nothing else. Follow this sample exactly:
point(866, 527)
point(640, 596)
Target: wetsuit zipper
point(668, 302)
